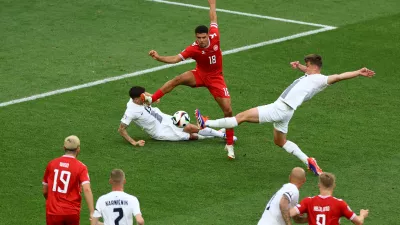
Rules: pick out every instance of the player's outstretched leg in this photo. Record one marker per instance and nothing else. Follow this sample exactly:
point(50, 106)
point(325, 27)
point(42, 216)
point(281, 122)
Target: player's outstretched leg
point(250, 116)
point(292, 148)
point(187, 78)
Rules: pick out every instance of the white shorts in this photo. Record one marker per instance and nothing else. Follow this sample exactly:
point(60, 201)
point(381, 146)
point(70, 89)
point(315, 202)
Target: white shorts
point(278, 113)
point(169, 132)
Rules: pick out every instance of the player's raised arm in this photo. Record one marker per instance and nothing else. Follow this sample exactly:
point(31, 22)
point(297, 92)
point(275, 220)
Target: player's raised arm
point(297, 65)
point(124, 133)
point(348, 75)
point(165, 59)
point(213, 11)
point(284, 207)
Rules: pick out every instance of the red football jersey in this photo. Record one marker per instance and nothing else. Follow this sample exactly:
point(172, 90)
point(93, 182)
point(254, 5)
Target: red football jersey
point(325, 210)
point(64, 177)
point(208, 59)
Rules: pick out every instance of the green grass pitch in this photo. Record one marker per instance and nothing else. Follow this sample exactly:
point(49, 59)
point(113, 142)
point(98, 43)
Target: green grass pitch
point(351, 128)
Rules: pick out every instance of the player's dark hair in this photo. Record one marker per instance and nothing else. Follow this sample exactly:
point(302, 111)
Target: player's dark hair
point(314, 59)
point(327, 180)
point(136, 91)
point(201, 29)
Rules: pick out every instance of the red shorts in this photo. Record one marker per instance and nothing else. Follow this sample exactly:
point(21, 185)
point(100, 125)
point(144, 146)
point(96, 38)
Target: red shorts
point(214, 82)
point(62, 219)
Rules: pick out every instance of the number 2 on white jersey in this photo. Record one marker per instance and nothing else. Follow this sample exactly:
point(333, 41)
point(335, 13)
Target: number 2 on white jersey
point(321, 219)
point(213, 59)
point(65, 176)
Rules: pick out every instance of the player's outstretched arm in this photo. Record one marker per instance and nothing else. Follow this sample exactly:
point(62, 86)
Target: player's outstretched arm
point(359, 220)
point(88, 197)
point(297, 65)
point(213, 11)
point(124, 133)
point(300, 219)
point(348, 75)
point(284, 207)
point(165, 59)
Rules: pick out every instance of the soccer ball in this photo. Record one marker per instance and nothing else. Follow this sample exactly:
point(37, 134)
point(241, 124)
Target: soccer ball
point(181, 119)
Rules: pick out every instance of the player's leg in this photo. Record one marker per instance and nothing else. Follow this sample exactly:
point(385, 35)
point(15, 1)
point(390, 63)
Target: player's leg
point(207, 132)
point(250, 116)
point(187, 78)
point(280, 133)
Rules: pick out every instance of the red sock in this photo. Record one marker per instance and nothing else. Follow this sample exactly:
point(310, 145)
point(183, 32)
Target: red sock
point(157, 95)
point(229, 136)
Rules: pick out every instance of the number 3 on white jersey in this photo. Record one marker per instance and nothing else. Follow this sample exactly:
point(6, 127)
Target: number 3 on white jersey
point(64, 178)
point(213, 59)
point(321, 219)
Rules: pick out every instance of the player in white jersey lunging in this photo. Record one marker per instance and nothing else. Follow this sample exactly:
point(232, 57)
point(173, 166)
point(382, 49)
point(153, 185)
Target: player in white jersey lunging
point(158, 124)
point(281, 111)
point(117, 207)
point(277, 211)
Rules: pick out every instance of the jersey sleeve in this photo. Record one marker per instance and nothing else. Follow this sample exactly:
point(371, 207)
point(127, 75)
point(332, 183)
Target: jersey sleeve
point(84, 176)
point(214, 29)
point(46, 175)
point(189, 52)
point(136, 207)
point(97, 210)
point(346, 211)
point(322, 81)
point(129, 116)
point(303, 206)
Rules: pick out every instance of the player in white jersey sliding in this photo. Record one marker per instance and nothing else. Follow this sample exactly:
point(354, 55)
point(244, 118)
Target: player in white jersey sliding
point(281, 111)
point(157, 124)
point(117, 207)
point(277, 211)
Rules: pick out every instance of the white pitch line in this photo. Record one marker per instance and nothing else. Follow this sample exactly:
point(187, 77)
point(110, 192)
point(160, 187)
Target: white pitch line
point(154, 69)
point(245, 14)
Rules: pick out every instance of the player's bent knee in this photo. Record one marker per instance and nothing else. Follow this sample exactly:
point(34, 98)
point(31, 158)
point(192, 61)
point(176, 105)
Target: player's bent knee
point(279, 142)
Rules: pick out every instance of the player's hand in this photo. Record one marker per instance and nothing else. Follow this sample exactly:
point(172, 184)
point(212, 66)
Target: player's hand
point(295, 64)
point(139, 143)
point(366, 72)
point(153, 54)
point(364, 213)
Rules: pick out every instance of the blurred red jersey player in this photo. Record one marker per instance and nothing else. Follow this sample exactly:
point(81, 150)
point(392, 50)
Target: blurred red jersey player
point(63, 181)
point(206, 51)
point(325, 209)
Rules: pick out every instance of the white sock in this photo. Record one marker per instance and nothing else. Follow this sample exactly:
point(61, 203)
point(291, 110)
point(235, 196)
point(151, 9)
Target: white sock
point(211, 132)
point(228, 122)
point(292, 148)
point(201, 137)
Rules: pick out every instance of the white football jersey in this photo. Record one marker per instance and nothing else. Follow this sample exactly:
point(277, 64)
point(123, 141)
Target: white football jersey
point(272, 214)
point(303, 89)
point(146, 117)
point(117, 207)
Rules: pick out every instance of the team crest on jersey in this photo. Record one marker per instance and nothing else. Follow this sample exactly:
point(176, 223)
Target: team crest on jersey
point(203, 52)
point(215, 47)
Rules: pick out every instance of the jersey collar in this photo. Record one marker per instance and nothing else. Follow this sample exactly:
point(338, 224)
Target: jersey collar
point(68, 156)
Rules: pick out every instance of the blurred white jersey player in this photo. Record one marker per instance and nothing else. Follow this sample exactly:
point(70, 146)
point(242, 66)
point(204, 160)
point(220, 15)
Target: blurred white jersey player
point(281, 111)
point(158, 124)
point(117, 207)
point(277, 210)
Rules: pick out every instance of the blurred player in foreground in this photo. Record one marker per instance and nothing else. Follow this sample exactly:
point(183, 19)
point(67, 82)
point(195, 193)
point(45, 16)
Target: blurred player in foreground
point(157, 124)
point(117, 207)
point(325, 209)
point(206, 51)
point(63, 181)
point(277, 210)
point(281, 111)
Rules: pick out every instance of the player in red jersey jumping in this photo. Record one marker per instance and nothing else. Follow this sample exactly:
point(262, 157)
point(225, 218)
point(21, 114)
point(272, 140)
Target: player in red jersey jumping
point(62, 183)
point(206, 51)
point(325, 209)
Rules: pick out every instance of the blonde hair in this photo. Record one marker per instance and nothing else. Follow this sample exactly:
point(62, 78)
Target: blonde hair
point(327, 180)
point(117, 176)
